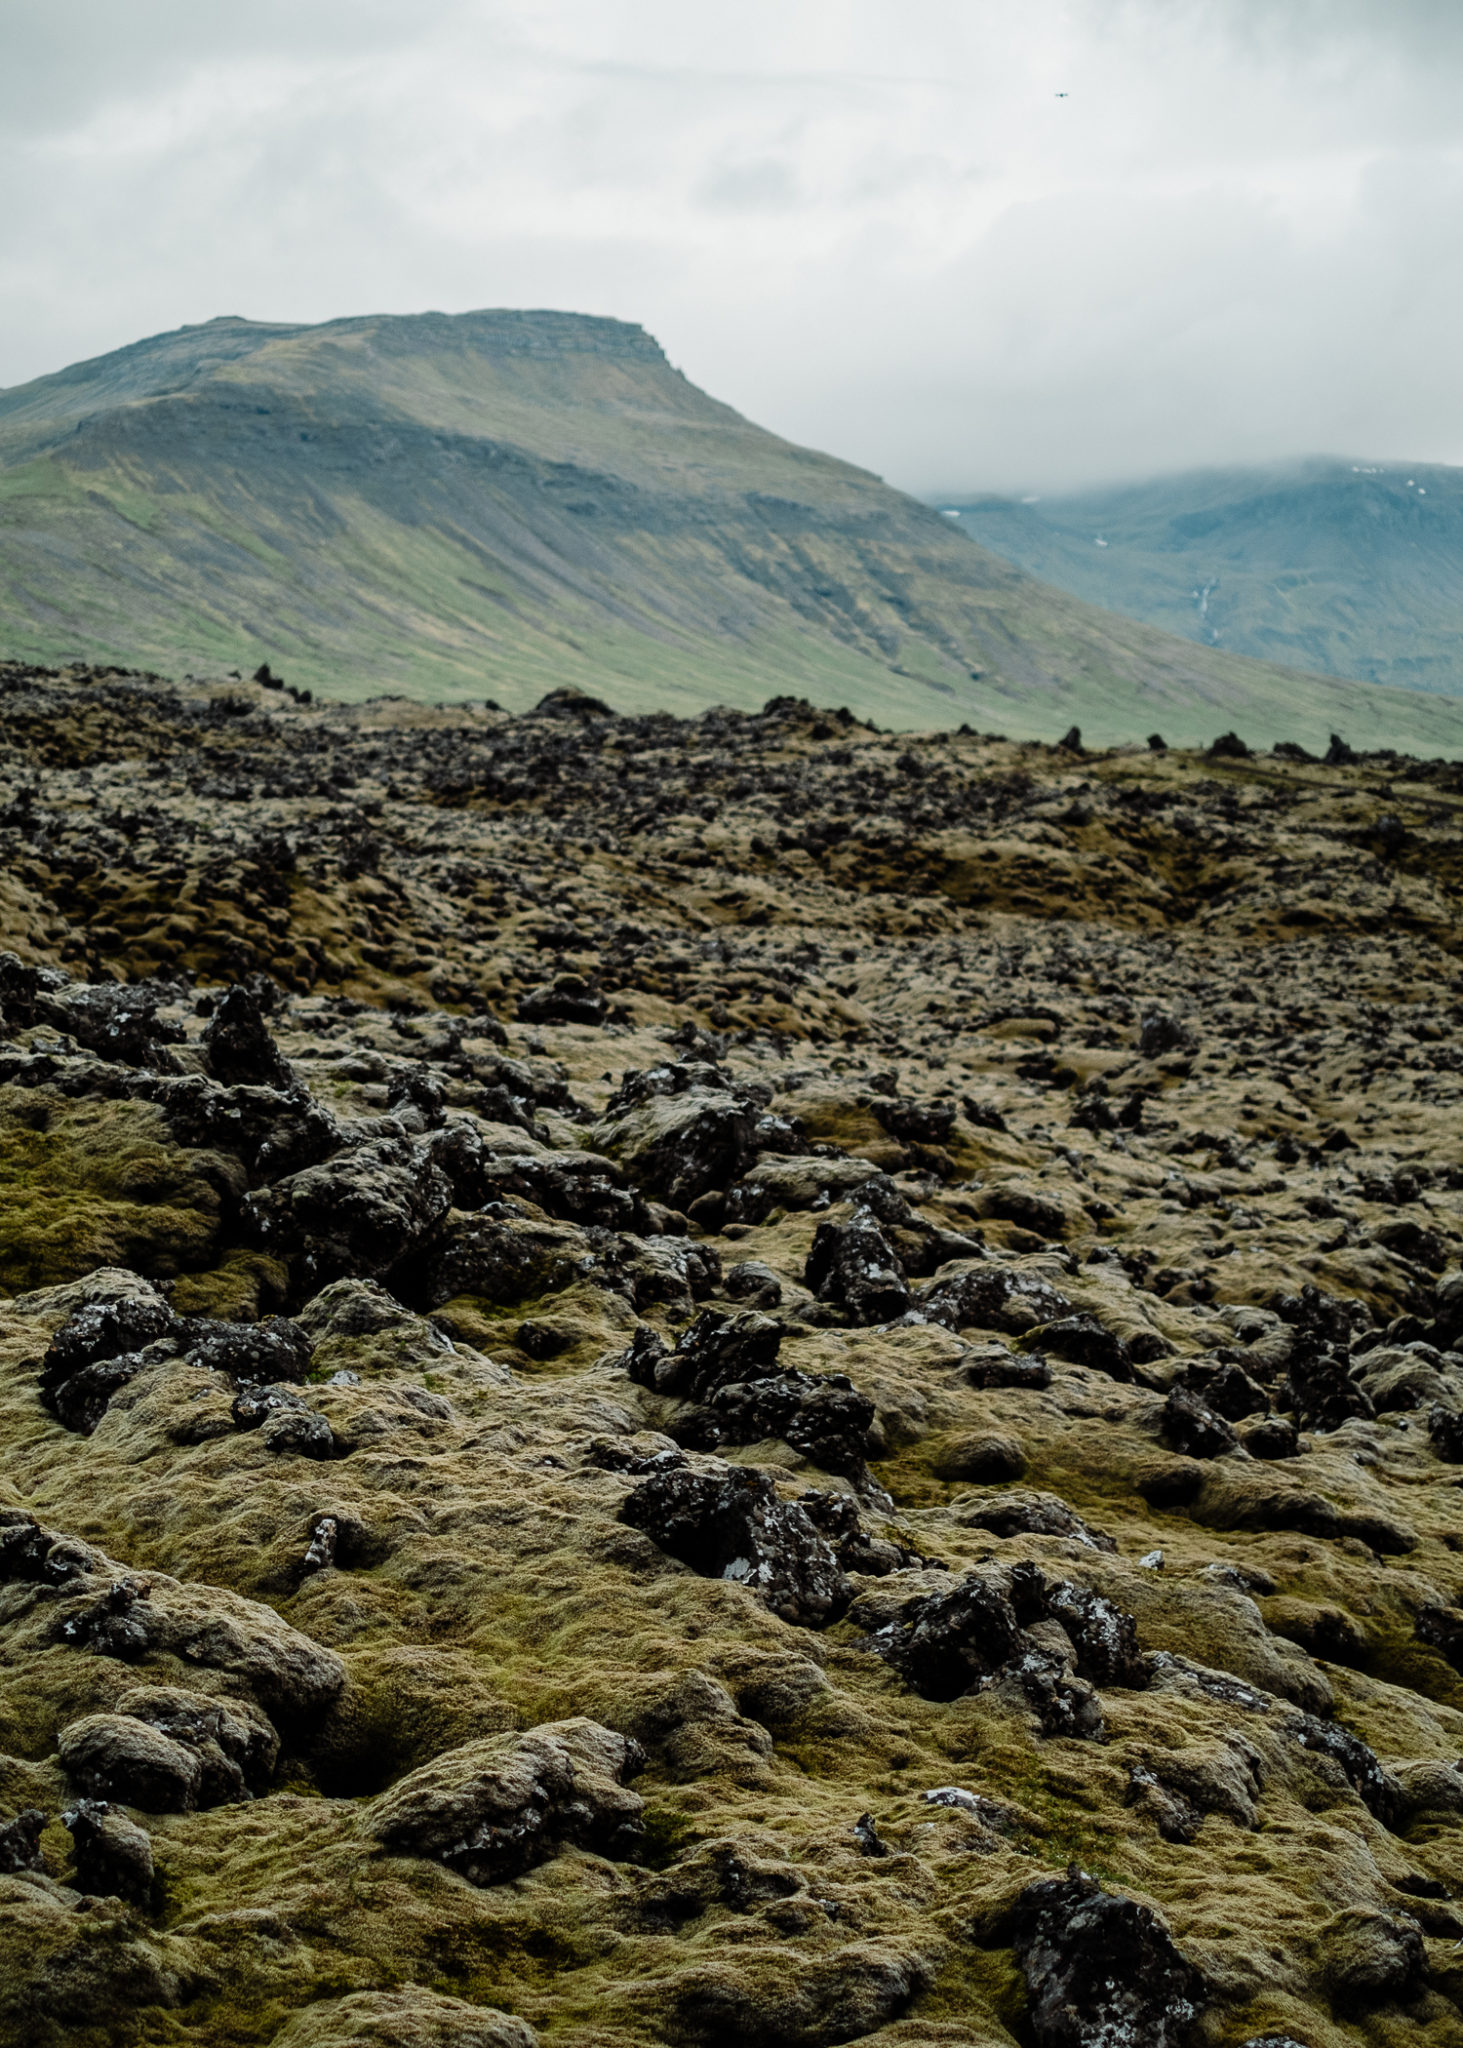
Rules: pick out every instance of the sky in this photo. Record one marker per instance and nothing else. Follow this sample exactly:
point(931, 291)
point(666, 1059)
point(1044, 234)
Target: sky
point(1008, 245)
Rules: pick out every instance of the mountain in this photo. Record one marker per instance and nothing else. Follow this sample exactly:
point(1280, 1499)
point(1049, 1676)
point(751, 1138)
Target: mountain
point(1345, 568)
point(493, 504)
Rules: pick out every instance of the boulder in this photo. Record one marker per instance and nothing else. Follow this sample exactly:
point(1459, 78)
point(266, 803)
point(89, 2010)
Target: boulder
point(573, 1187)
point(720, 1347)
point(113, 1756)
point(500, 1258)
point(824, 1419)
point(993, 1297)
point(1101, 1968)
point(494, 1808)
point(356, 1214)
point(680, 1133)
point(113, 1854)
point(106, 1330)
point(271, 1131)
point(1028, 1514)
point(20, 1842)
point(730, 1524)
point(1192, 1428)
point(567, 999)
point(853, 1266)
point(238, 1044)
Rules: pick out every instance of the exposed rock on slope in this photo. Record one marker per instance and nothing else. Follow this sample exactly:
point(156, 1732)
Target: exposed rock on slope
point(891, 1476)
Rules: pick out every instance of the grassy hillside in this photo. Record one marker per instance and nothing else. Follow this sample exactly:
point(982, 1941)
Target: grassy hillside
point(492, 504)
point(1348, 569)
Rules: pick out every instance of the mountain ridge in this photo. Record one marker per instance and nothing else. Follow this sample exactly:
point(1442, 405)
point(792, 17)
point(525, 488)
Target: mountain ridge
point(1344, 567)
point(498, 503)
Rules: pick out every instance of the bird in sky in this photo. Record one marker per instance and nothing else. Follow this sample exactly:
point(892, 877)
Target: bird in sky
point(1063, 95)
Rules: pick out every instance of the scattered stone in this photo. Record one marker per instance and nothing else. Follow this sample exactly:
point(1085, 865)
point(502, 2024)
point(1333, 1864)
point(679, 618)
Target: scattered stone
point(719, 1348)
point(324, 1539)
point(870, 1843)
point(827, 1420)
point(356, 1214)
point(679, 1132)
point(1082, 1340)
point(1445, 1433)
point(567, 999)
point(993, 1298)
point(1029, 1514)
point(753, 1283)
point(993, 1366)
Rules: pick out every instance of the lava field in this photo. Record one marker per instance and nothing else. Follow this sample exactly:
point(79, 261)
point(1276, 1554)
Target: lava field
point(734, 1379)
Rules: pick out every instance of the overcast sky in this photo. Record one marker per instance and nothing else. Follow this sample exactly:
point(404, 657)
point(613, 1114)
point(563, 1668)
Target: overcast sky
point(871, 224)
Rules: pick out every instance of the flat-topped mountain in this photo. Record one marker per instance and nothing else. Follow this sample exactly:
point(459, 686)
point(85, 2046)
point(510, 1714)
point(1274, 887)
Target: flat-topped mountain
point(493, 504)
point(1345, 568)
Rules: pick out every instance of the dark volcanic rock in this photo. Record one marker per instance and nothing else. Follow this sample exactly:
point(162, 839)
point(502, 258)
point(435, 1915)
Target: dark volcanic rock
point(113, 1854)
point(568, 999)
point(20, 1842)
point(1101, 1969)
point(501, 1258)
point(826, 1420)
point(1083, 1340)
point(718, 1348)
point(994, 1298)
point(105, 1330)
point(1193, 1428)
point(119, 1023)
point(731, 1525)
point(853, 1266)
point(357, 1214)
point(954, 1639)
point(239, 1046)
point(680, 1132)
point(977, 1636)
point(273, 1133)
point(275, 1349)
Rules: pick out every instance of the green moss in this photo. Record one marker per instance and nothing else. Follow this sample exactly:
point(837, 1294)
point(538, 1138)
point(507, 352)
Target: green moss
point(243, 1287)
point(95, 1183)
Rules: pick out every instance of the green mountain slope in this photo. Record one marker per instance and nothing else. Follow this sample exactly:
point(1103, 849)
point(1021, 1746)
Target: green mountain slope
point(493, 504)
point(1349, 569)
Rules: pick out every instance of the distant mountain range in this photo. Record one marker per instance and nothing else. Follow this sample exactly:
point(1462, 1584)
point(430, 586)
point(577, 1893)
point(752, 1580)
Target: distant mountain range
point(1345, 568)
point(494, 504)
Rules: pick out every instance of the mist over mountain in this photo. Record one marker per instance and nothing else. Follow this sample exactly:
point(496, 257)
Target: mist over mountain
point(1348, 568)
point(494, 504)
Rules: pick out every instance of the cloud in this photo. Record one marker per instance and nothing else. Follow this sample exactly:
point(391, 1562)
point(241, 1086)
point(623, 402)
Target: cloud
point(873, 227)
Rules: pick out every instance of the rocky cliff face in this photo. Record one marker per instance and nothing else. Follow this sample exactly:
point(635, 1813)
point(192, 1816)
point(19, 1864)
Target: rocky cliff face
point(665, 1381)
